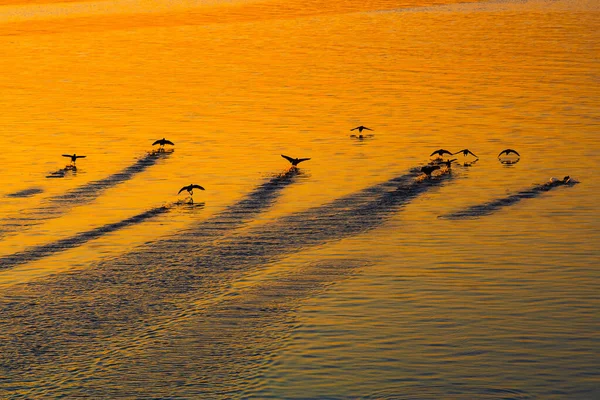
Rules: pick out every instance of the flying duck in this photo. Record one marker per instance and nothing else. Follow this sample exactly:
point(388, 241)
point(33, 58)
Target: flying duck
point(162, 142)
point(508, 151)
point(466, 152)
point(361, 128)
point(441, 153)
point(190, 189)
point(73, 157)
point(295, 161)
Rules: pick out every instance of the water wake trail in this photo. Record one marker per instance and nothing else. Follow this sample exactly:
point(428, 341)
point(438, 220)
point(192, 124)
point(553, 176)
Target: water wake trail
point(25, 193)
point(79, 239)
point(122, 303)
point(106, 295)
point(490, 207)
point(59, 205)
point(230, 218)
point(90, 191)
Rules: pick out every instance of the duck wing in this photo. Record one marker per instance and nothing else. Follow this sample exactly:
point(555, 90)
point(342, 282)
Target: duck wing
point(303, 159)
point(157, 142)
point(197, 187)
point(441, 152)
point(80, 156)
point(67, 155)
point(182, 189)
point(290, 159)
point(168, 142)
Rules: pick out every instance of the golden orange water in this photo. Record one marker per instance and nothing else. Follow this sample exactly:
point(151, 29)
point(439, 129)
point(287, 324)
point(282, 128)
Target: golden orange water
point(396, 303)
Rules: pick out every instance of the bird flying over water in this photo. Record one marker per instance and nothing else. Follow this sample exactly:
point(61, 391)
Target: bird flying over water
point(73, 157)
point(162, 142)
point(295, 161)
point(361, 128)
point(466, 152)
point(441, 153)
point(428, 169)
point(508, 151)
point(190, 189)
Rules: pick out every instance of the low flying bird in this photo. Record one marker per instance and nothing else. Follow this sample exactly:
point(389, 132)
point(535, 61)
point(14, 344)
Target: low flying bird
point(441, 153)
point(73, 157)
point(295, 161)
point(466, 152)
point(428, 169)
point(508, 151)
point(162, 142)
point(361, 128)
point(190, 189)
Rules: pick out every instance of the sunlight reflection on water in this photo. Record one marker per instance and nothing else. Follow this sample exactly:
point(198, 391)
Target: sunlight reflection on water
point(335, 280)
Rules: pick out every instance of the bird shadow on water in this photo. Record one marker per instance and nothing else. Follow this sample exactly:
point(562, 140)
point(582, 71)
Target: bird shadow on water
point(59, 205)
point(158, 283)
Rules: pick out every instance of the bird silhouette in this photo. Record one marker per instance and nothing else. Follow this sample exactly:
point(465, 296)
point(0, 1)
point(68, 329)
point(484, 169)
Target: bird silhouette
point(162, 143)
point(466, 152)
point(190, 190)
point(428, 169)
point(441, 153)
point(361, 128)
point(73, 157)
point(508, 151)
point(295, 161)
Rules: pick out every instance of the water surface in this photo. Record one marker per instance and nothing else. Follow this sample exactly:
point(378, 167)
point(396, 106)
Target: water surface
point(336, 280)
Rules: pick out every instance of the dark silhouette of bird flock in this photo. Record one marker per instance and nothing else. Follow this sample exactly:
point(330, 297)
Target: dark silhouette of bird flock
point(505, 157)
